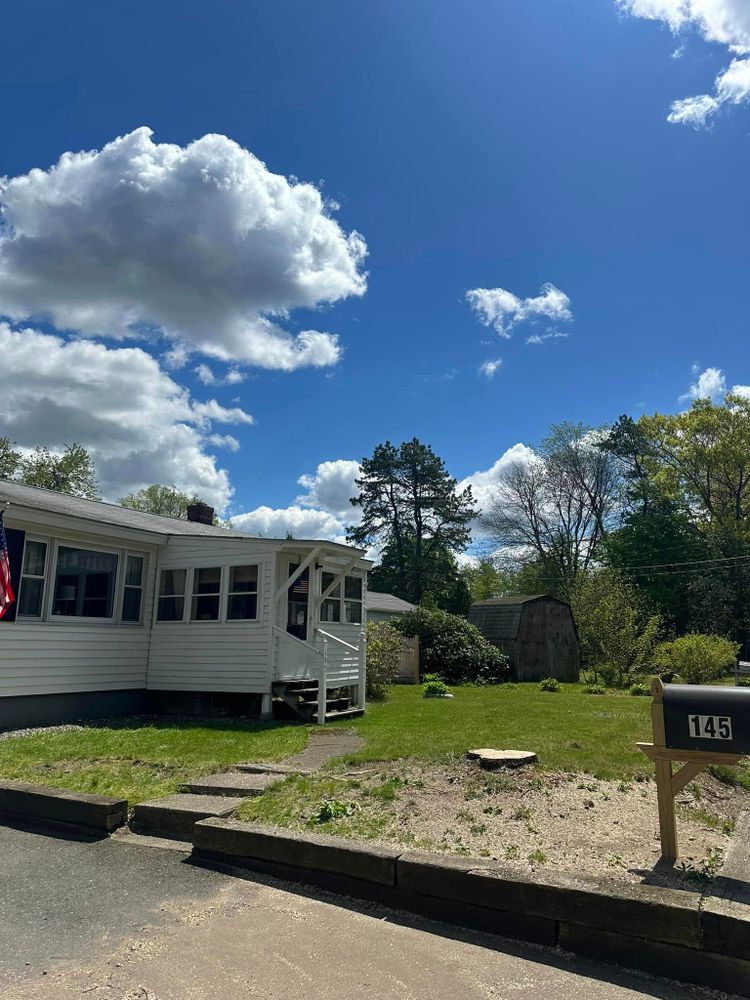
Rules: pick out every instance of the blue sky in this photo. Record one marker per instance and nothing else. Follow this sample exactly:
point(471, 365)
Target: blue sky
point(495, 144)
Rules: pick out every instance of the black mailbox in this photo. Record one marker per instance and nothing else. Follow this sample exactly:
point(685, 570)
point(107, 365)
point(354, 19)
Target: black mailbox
point(714, 719)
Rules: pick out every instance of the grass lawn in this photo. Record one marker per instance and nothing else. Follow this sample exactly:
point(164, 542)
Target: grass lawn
point(142, 759)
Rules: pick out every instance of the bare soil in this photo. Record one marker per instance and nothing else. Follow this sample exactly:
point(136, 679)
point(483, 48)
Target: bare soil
point(530, 819)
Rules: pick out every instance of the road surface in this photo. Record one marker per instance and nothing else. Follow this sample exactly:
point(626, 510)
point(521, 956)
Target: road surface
point(118, 920)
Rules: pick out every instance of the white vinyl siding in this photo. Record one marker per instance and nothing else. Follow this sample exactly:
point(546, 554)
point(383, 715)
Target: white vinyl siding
point(215, 655)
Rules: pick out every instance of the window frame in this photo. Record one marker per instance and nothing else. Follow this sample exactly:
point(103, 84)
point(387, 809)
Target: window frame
point(219, 594)
point(47, 542)
point(116, 587)
point(240, 593)
point(142, 587)
point(187, 592)
point(224, 594)
point(342, 600)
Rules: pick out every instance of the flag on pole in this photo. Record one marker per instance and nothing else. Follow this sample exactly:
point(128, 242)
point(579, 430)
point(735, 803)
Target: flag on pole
point(7, 597)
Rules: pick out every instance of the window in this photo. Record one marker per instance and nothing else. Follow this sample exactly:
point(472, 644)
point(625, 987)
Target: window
point(132, 595)
point(171, 606)
point(206, 594)
point(330, 609)
point(333, 609)
point(242, 599)
point(84, 583)
point(353, 600)
point(31, 597)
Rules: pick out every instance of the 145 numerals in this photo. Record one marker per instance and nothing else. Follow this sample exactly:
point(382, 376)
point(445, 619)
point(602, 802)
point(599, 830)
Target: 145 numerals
point(710, 727)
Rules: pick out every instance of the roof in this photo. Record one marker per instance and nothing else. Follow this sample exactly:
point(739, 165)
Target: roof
point(500, 617)
point(35, 498)
point(375, 601)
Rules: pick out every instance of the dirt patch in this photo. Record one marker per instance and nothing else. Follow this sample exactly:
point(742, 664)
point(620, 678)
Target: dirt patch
point(530, 819)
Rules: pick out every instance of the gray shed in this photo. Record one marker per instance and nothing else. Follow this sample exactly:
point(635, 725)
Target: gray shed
point(537, 634)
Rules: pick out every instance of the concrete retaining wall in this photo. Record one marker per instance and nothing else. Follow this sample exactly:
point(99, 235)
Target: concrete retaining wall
point(663, 931)
point(34, 804)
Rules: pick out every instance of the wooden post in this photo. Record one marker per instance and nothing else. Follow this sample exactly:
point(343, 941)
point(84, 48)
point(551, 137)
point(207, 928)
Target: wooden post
point(664, 793)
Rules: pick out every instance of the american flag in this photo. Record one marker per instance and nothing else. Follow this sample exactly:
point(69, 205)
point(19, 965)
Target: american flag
point(7, 597)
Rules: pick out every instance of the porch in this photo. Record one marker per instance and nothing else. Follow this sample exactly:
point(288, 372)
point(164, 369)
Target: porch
point(318, 623)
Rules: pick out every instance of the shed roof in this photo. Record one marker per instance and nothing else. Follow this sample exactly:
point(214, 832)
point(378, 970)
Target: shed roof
point(376, 601)
point(500, 617)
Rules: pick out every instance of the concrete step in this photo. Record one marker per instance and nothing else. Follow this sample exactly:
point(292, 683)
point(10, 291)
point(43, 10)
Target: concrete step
point(237, 784)
point(174, 816)
point(341, 713)
point(277, 770)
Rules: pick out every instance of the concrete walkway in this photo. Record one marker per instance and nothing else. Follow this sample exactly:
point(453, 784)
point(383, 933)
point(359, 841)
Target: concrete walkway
point(110, 920)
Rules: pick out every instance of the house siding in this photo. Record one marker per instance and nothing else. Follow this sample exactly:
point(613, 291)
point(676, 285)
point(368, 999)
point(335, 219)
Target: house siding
point(215, 656)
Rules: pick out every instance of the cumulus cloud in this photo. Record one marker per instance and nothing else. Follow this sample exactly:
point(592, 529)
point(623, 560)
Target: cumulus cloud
point(724, 22)
point(502, 310)
point(489, 368)
point(140, 426)
point(484, 482)
point(200, 244)
point(331, 487)
point(710, 384)
point(207, 376)
point(301, 522)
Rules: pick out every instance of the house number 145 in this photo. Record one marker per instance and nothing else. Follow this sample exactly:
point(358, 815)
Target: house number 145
point(710, 727)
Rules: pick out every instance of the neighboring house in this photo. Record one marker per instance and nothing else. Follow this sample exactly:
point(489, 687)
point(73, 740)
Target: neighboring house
point(537, 634)
point(386, 607)
point(120, 611)
point(381, 607)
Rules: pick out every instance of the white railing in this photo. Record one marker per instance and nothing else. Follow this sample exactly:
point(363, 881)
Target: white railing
point(335, 638)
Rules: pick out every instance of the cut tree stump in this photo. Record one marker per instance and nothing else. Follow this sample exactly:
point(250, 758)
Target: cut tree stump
point(490, 759)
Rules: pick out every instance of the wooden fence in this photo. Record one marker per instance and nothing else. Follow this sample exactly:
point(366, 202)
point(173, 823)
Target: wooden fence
point(408, 671)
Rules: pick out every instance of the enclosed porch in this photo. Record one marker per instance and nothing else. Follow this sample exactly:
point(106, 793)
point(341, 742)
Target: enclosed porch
point(319, 629)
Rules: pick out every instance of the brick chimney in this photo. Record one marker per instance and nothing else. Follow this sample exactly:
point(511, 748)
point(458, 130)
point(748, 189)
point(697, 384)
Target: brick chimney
point(201, 513)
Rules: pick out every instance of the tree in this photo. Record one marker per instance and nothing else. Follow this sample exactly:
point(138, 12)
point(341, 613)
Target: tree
point(411, 507)
point(556, 508)
point(158, 499)
point(485, 580)
point(70, 472)
point(617, 632)
point(443, 585)
point(9, 459)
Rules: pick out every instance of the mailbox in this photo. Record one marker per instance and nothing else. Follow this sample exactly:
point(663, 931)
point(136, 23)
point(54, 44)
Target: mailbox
point(713, 719)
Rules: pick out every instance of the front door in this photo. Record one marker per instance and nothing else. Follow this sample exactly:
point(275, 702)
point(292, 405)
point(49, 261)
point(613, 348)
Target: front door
point(298, 603)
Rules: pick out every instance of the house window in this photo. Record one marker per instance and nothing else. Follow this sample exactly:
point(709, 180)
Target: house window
point(31, 597)
point(171, 606)
point(132, 595)
point(330, 609)
point(206, 594)
point(353, 600)
point(242, 598)
point(345, 608)
point(84, 583)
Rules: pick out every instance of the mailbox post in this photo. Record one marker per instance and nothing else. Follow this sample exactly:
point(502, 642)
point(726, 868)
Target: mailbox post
point(697, 726)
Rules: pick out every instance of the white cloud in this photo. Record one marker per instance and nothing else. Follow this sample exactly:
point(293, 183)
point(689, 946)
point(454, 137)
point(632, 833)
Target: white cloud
point(330, 488)
point(208, 376)
point(502, 310)
point(484, 482)
point(724, 22)
point(201, 244)
point(710, 384)
point(140, 426)
point(489, 368)
point(301, 522)
point(228, 441)
point(543, 338)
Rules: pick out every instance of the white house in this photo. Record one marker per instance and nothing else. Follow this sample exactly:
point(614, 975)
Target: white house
point(384, 607)
point(119, 611)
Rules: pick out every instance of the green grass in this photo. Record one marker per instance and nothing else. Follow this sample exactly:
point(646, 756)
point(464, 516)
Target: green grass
point(142, 760)
point(569, 730)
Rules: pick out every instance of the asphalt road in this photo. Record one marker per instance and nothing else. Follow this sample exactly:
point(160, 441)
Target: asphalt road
point(113, 919)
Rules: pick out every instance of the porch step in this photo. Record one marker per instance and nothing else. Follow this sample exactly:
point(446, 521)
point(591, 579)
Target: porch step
point(341, 713)
point(236, 784)
point(175, 815)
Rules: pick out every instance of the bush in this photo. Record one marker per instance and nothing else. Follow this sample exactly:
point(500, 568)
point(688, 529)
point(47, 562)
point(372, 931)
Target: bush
point(384, 644)
point(453, 648)
point(697, 658)
point(594, 689)
point(549, 684)
point(640, 688)
point(435, 689)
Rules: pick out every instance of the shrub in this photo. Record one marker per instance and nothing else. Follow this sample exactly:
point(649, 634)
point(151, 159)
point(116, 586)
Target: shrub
point(594, 689)
point(453, 647)
point(549, 684)
point(640, 688)
point(697, 658)
point(384, 644)
point(435, 689)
